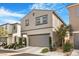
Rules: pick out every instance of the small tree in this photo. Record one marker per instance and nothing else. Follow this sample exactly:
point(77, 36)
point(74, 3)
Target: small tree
point(70, 29)
point(62, 32)
point(3, 32)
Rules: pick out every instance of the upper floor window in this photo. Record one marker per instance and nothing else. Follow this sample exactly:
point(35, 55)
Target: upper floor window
point(42, 20)
point(45, 19)
point(14, 28)
point(37, 20)
point(26, 22)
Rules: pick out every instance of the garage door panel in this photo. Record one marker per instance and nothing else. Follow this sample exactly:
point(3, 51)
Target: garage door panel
point(76, 41)
point(39, 40)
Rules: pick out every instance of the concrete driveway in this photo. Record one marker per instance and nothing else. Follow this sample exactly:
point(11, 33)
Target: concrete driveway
point(26, 54)
point(29, 51)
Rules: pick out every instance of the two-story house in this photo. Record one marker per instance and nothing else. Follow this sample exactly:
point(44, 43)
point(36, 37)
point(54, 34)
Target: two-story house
point(13, 33)
point(38, 26)
point(74, 22)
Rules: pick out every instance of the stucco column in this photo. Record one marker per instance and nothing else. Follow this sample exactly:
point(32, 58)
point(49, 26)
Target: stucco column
point(27, 40)
point(8, 41)
point(13, 38)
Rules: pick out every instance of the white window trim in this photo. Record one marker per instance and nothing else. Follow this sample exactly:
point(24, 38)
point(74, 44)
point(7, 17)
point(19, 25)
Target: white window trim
point(41, 20)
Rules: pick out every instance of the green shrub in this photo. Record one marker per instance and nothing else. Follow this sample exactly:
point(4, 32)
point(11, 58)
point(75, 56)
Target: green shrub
point(20, 41)
point(20, 46)
point(45, 50)
point(15, 46)
point(9, 46)
point(12, 45)
point(4, 44)
point(67, 47)
point(5, 47)
point(25, 42)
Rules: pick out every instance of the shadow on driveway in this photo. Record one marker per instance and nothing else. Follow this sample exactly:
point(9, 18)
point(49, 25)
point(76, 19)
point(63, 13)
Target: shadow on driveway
point(6, 51)
point(26, 54)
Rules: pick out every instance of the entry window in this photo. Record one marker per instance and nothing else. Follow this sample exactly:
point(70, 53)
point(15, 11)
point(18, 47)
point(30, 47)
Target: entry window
point(26, 22)
point(42, 20)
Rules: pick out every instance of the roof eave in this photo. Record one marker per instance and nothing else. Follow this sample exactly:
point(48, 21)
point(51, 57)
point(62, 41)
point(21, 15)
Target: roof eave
point(72, 5)
point(59, 18)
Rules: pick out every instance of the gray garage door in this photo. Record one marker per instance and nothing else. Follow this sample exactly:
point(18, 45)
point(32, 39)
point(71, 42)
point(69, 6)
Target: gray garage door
point(76, 41)
point(39, 40)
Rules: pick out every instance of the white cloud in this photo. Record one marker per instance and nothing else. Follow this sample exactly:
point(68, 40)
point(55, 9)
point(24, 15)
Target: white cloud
point(47, 6)
point(9, 20)
point(8, 16)
point(6, 12)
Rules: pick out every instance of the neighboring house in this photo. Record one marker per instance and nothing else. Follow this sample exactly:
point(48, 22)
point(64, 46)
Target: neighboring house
point(74, 22)
point(38, 26)
point(13, 33)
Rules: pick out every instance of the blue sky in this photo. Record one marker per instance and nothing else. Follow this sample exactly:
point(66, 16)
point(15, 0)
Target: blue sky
point(13, 12)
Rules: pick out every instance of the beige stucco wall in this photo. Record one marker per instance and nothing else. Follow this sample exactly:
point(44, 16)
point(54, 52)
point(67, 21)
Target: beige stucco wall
point(55, 22)
point(39, 31)
point(32, 20)
point(74, 17)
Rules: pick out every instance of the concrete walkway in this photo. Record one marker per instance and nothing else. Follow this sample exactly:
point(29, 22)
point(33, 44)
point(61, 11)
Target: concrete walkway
point(75, 53)
point(30, 50)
